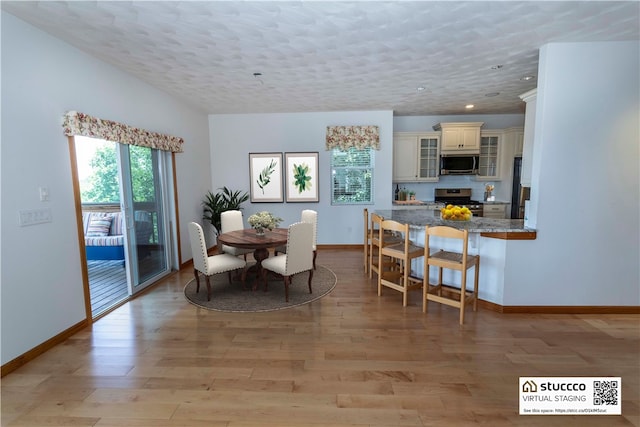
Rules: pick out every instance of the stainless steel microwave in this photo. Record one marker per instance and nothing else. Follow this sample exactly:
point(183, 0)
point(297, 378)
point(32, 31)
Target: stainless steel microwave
point(459, 164)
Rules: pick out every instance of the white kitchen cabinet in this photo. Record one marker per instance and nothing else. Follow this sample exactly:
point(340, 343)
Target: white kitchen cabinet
point(494, 210)
point(428, 157)
point(460, 137)
point(489, 159)
point(404, 157)
point(415, 157)
point(518, 143)
point(511, 144)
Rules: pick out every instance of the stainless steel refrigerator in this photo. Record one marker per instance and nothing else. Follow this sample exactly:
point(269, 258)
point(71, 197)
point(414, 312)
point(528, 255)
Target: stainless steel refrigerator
point(518, 193)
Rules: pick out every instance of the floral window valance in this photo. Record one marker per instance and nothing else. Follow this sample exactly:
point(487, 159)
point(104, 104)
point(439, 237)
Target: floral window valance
point(76, 123)
point(345, 137)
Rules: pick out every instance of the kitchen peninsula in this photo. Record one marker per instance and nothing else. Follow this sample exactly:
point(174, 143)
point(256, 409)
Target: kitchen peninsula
point(512, 229)
point(488, 237)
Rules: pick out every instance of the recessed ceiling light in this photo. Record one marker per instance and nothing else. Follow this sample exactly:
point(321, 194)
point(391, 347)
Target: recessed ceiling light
point(526, 78)
point(496, 67)
point(258, 77)
point(491, 94)
point(469, 106)
point(420, 88)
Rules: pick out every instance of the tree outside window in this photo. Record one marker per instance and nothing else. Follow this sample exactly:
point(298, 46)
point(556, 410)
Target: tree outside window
point(100, 183)
point(352, 176)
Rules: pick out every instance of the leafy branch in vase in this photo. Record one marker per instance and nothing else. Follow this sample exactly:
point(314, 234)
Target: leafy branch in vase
point(265, 175)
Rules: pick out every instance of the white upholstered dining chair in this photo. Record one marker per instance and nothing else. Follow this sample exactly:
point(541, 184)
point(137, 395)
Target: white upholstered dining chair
point(209, 265)
point(311, 217)
point(232, 221)
point(297, 259)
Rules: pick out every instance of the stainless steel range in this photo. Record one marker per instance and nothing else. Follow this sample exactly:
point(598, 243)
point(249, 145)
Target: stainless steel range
point(460, 197)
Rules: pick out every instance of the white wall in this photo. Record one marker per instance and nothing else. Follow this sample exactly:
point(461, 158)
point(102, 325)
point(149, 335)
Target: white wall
point(585, 183)
point(426, 123)
point(234, 136)
point(42, 78)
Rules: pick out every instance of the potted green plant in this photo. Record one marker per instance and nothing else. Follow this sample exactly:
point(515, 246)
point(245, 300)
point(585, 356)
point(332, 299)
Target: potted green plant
point(223, 200)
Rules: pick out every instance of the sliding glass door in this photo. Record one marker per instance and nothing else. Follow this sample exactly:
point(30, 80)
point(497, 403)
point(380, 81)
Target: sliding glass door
point(145, 200)
point(132, 186)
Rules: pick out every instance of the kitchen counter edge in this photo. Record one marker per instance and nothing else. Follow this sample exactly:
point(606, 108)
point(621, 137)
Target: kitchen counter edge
point(507, 229)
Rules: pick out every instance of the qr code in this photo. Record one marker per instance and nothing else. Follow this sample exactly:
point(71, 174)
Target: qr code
point(605, 392)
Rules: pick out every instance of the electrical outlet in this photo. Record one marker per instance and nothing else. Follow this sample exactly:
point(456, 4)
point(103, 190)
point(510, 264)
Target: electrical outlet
point(34, 216)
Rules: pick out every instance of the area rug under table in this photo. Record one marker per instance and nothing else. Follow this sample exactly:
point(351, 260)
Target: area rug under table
point(232, 297)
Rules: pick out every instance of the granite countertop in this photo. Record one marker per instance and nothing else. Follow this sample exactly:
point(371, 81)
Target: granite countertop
point(420, 218)
point(417, 204)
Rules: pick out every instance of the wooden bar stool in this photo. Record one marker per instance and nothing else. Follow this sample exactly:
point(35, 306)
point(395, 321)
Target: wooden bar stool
point(376, 244)
point(401, 254)
point(367, 240)
point(459, 261)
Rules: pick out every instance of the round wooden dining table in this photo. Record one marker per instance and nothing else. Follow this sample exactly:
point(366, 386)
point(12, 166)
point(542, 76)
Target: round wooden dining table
point(248, 239)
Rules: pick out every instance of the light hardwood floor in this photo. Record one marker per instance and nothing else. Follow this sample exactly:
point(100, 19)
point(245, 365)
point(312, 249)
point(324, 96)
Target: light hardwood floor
point(349, 359)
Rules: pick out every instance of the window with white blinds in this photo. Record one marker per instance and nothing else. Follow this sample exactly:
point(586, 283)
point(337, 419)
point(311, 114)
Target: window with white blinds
point(352, 176)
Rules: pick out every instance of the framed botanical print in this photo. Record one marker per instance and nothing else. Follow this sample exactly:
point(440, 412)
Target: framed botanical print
point(265, 170)
point(301, 184)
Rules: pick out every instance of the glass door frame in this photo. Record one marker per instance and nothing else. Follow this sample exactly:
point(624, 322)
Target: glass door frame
point(159, 160)
point(168, 178)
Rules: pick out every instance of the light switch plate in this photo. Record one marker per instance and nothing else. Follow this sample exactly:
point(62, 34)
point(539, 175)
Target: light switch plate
point(44, 194)
point(34, 216)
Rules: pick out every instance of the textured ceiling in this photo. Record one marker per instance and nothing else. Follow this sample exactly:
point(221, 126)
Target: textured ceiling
point(332, 56)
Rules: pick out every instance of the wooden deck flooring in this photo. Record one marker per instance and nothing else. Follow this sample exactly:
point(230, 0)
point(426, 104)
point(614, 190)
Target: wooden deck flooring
point(107, 283)
point(350, 359)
